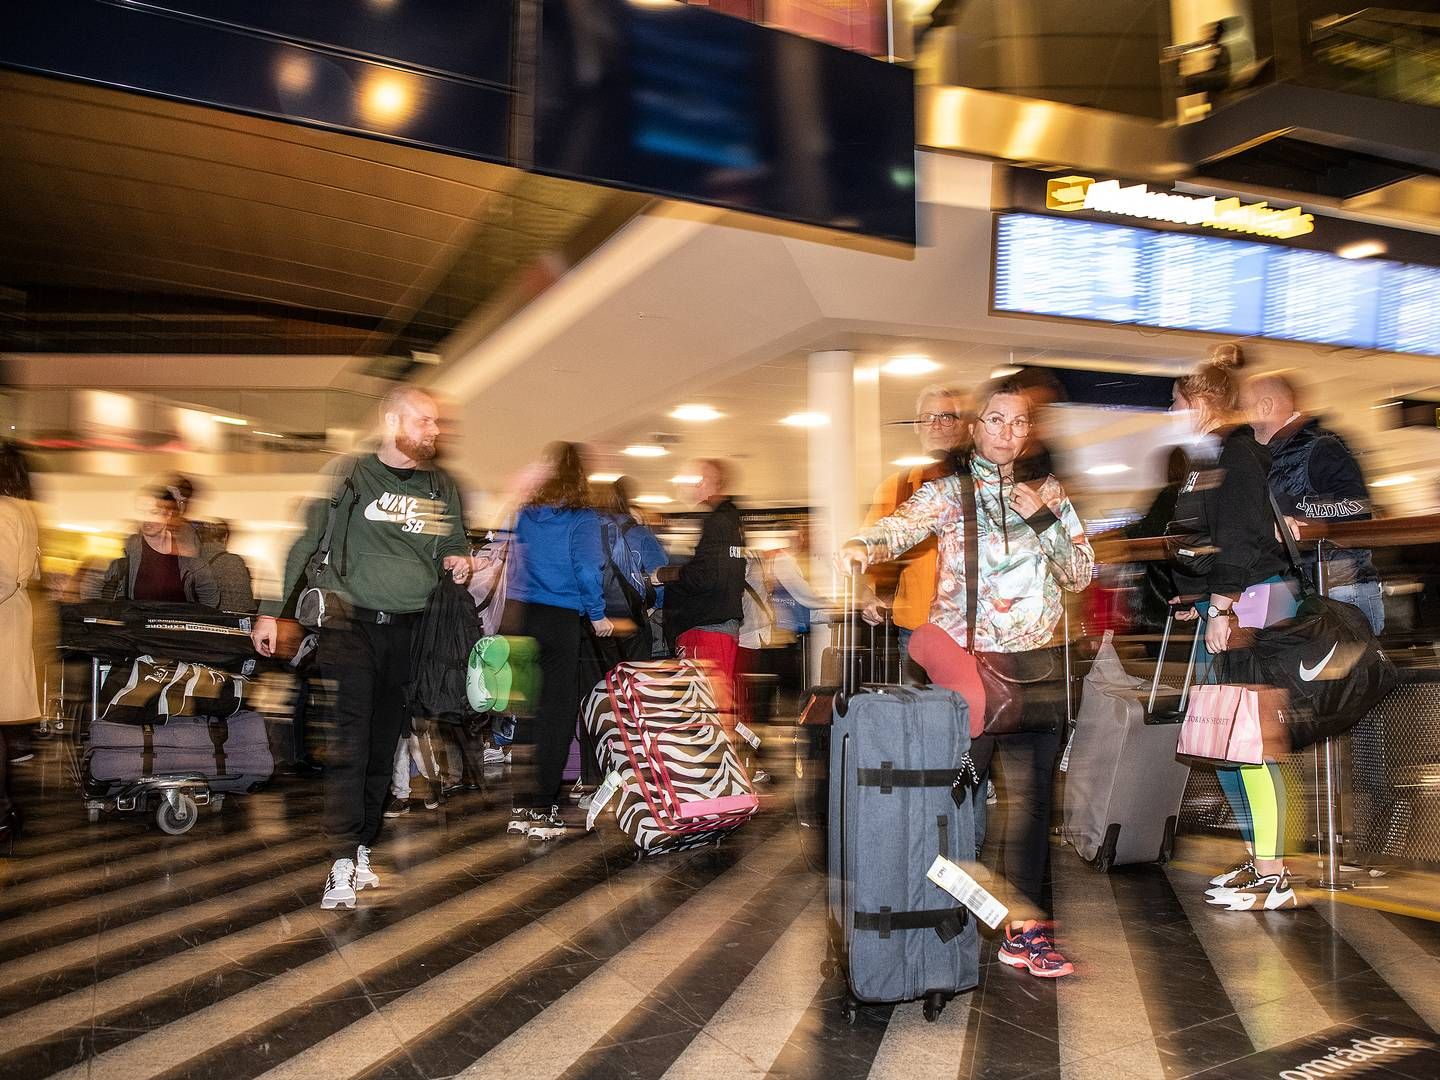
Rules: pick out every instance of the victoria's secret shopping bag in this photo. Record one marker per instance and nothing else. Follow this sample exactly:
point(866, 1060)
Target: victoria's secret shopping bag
point(1236, 724)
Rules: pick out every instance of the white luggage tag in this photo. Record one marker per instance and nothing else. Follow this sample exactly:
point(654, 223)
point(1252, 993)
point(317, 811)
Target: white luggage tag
point(748, 735)
point(959, 884)
point(603, 794)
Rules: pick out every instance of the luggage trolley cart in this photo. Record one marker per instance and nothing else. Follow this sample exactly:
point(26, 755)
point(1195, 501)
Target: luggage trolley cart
point(174, 798)
point(197, 772)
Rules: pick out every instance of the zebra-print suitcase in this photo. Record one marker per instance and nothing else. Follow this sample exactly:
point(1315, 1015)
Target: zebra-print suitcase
point(657, 727)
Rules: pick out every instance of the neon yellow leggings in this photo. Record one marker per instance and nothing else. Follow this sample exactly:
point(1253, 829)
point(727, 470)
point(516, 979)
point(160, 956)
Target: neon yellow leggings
point(1257, 795)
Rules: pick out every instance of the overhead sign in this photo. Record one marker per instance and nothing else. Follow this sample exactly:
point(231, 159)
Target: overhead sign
point(1069, 193)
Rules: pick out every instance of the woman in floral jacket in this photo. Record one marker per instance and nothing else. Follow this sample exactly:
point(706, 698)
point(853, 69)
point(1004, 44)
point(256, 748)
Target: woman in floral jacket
point(1031, 547)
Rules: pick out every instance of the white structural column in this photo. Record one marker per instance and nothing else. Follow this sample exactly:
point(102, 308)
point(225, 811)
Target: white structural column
point(835, 512)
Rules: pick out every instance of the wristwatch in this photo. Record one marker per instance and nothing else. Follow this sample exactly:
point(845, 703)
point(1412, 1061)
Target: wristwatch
point(1221, 613)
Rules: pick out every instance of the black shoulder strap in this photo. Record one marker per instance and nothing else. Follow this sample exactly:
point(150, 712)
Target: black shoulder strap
point(1282, 528)
point(972, 554)
point(320, 561)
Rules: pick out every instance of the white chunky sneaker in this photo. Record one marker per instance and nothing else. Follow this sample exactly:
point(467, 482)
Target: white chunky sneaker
point(1224, 880)
point(522, 818)
point(549, 826)
point(340, 885)
point(1272, 892)
point(365, 878)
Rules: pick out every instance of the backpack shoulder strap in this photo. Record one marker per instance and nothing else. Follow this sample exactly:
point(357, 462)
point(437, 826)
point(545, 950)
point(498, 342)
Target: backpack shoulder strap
point(320, 561)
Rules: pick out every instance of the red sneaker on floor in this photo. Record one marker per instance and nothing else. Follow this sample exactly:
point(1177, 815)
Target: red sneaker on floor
point(1030, 948)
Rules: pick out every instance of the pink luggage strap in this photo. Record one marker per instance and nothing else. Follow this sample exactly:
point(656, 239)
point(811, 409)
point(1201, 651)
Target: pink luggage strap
point(670, 814)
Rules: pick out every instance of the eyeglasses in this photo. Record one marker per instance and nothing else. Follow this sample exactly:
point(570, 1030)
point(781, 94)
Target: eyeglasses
point(995, 424)
point(940, 419)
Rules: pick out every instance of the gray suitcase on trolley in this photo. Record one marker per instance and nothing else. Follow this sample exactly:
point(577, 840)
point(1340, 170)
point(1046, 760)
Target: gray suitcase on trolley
point(1123, 783)
point(894, 754)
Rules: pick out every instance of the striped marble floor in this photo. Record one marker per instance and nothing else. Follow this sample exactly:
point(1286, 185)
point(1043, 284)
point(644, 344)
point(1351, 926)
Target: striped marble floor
point(126, 954)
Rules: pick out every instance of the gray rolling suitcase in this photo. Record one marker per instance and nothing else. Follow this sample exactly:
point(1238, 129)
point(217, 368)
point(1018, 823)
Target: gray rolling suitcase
point(1123, 784)
point(894, 755)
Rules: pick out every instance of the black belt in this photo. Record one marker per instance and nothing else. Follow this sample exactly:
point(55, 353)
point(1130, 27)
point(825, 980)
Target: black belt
point(384, 618)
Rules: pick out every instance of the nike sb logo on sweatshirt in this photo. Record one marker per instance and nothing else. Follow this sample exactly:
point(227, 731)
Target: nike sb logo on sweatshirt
point(412, 513)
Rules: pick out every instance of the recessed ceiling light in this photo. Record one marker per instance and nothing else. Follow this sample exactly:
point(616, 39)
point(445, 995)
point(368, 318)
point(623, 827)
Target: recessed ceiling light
point(653, 500)
point(806, 419)
point(913, 462)
point(685, 478)
point(1394, 481)
point(234, 421)
point(1361, 249)
point(603, 477)
point(695, 413)
point(1107, 470)
point(912, 364)
point(645, 450)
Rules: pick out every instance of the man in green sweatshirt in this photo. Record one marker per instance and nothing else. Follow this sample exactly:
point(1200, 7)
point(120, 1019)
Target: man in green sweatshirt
point(398, 526)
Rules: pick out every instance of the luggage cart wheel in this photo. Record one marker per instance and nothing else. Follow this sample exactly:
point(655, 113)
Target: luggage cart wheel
point(850, 1009)
point(177, 813)
point(934, 1006)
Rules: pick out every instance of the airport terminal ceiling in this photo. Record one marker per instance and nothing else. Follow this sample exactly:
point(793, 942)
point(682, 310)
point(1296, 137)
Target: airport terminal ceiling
point(136, 225)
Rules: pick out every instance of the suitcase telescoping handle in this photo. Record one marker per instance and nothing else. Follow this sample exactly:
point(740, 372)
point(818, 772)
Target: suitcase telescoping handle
point(1160, 660)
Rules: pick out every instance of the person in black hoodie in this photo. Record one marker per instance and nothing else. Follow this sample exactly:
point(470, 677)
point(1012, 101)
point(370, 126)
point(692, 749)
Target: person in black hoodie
point(704, 596)
point(1315, 477)
point(1225, 503)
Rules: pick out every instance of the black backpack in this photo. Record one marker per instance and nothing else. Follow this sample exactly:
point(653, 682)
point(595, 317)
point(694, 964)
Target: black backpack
point(440, 651)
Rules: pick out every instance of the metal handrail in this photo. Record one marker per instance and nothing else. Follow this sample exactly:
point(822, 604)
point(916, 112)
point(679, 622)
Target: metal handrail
point(1376, 533)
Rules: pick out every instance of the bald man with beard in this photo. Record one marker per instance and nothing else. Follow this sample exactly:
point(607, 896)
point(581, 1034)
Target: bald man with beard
point(1315, 477)
point(398, 526)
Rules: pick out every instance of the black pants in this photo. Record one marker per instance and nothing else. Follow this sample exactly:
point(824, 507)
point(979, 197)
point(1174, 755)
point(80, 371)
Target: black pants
point(597, 656)
point(558, 632)
point(370, 665)
point(1026, 789)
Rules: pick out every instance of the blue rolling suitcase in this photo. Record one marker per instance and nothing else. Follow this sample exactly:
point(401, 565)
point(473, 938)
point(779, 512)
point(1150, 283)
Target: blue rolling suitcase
point(895, 754)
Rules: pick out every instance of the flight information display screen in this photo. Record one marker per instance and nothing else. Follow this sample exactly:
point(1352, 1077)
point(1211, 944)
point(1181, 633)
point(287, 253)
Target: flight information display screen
point(1081, 269)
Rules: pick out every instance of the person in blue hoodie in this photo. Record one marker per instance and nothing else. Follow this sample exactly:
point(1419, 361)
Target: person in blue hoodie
point(556, 584)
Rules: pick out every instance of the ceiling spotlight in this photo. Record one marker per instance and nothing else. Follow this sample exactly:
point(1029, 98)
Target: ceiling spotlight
point(913, 364)
point(1107, 470)
point(603, 477)
point(653, 500)
point(1394, 481)
point(685, 478)
point(914, 462)
point(1361, 249)
point(645, 450)
point(806, 419)
point(233, 421)
point(695, 413)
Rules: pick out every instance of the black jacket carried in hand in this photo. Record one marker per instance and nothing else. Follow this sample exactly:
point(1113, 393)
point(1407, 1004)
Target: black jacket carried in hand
point(1226, 500)
point(710, 587)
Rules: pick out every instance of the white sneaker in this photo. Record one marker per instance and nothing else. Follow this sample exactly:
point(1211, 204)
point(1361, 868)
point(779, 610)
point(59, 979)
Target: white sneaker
point(495, 756)
point(586, 800)
point(522, 818)
point(1228, 878)
point(759, 776)
point(340, 885)
point(365, 878)
point(549, 826)
point(1269, 893)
